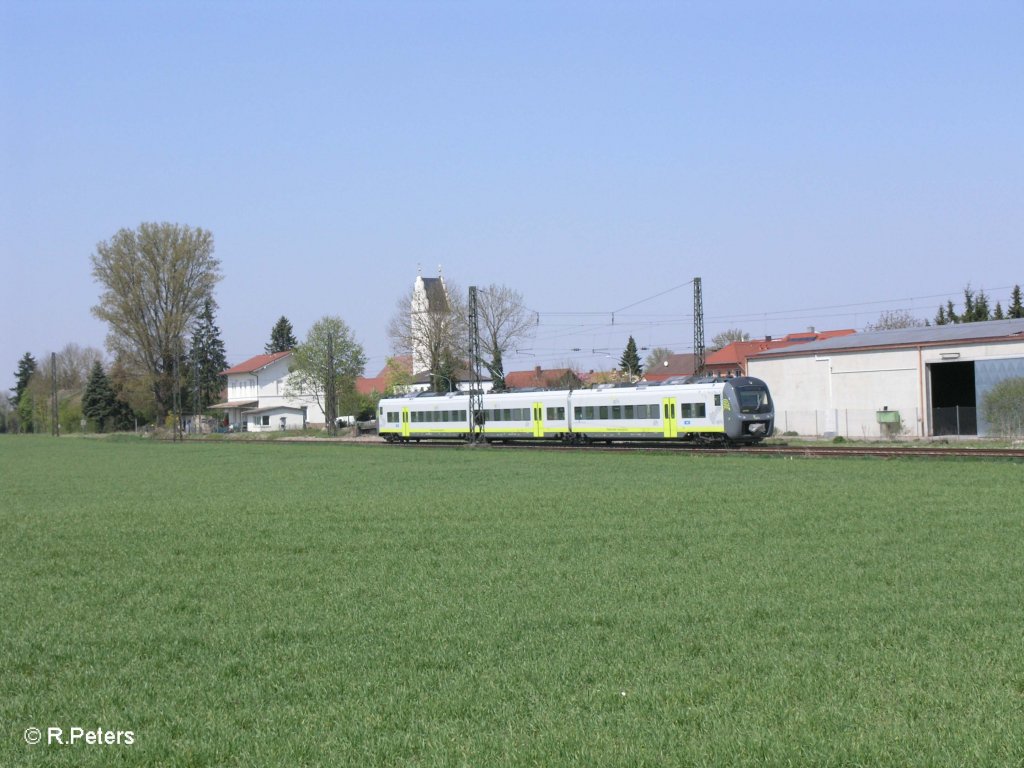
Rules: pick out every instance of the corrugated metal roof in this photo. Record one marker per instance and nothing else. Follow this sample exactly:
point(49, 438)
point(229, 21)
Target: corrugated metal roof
point(904, 337)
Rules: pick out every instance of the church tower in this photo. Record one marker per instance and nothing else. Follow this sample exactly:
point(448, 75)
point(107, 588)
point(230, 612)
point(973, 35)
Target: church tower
point(429, 300)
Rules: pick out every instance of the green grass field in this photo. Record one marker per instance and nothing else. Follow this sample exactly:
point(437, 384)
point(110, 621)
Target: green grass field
point(311, 604)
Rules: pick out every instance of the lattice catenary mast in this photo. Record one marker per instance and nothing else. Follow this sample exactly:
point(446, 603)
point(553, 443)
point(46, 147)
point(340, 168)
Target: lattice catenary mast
point(698, 328)
point(476, 394)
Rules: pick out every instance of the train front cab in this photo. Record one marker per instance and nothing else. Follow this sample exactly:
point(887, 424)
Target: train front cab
point(749, 413)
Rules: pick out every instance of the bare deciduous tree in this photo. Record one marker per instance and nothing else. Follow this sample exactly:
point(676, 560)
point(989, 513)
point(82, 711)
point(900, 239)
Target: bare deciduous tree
point(503, 321)
point(895, 318)
point(725, 338)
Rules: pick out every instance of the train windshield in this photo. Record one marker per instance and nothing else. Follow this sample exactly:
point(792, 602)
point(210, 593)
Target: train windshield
point(753, 399)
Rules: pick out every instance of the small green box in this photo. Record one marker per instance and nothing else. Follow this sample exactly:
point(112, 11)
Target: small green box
point(888, 417)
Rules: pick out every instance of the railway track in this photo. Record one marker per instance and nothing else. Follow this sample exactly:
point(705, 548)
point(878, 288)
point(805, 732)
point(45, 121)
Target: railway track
point(809, 451)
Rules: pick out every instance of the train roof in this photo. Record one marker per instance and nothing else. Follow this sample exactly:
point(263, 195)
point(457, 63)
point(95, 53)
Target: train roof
point(675, 381)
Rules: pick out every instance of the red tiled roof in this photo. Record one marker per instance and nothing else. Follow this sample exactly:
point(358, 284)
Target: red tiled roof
point(678, 365)
point(538, 377)
point(735, 355)
point(254, 364)
point(366, 386)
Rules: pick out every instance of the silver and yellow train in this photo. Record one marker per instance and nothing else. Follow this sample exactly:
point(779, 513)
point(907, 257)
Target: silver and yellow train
point(735, 411)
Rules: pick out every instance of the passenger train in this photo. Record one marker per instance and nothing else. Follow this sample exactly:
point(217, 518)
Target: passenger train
point(737, 411)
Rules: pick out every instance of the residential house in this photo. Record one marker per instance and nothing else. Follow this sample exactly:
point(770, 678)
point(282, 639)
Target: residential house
point(258, 397)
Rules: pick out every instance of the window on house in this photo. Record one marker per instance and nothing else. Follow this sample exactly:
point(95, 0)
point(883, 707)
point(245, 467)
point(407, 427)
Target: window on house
point(264, 421)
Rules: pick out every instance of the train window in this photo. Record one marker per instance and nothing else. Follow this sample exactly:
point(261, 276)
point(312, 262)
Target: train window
point(577, 412)
point(560, 415)
point(718, 400)
point(602, 411)
point(616, 411)
point(506, 414)
point(463, 415)
point(588, 412)
point(641, 411)
point(551, 414)
point(692, 410)
point(627, 411)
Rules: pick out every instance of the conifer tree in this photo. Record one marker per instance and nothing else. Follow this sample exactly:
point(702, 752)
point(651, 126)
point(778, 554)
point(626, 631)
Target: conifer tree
point(282, 337)
point(99, 402)
point(26, 367)
point(998, 313)
point(630, 363)
point(981, 311)
point(1016, 309)
point(206, 359)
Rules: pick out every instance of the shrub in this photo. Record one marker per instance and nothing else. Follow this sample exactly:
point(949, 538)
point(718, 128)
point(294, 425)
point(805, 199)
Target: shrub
point(1003, 407)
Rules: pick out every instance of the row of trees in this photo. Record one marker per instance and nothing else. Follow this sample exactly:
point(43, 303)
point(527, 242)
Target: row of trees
point(29, 408)
point(977, 308)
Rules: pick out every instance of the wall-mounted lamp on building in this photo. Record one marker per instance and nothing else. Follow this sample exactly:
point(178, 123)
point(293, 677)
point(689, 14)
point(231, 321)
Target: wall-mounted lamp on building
point(950, 355)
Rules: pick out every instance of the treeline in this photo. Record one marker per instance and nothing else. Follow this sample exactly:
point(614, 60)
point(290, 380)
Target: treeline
point(96, 397)
point(977, 308)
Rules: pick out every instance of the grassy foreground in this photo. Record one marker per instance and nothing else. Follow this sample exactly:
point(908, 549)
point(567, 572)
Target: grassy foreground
point(269, 604)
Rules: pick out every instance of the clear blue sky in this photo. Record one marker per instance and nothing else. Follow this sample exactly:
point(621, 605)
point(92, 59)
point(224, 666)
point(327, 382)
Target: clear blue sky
point(815, 163)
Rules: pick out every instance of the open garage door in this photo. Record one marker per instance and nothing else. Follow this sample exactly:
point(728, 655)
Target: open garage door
point(953, 399)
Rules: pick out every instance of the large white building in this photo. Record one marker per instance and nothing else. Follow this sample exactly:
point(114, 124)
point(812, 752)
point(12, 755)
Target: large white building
point(913, 381)
point(259, 399)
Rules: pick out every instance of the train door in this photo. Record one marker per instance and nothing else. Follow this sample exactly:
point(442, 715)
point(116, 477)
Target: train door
point(405, 422)
point(668, 415)
point(538, 419)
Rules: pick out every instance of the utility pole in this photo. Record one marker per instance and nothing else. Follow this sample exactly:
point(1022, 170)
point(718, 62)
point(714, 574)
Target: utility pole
point(196, 394)
point(54, 411)
point(330, 393)
point(698, 328)
point(176, 396)
point(476, 394)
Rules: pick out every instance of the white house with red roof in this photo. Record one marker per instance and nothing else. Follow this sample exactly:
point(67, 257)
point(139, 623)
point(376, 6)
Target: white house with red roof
point(259, 400)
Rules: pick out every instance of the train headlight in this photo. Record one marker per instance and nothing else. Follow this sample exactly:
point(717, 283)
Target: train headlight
point(756, 429)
